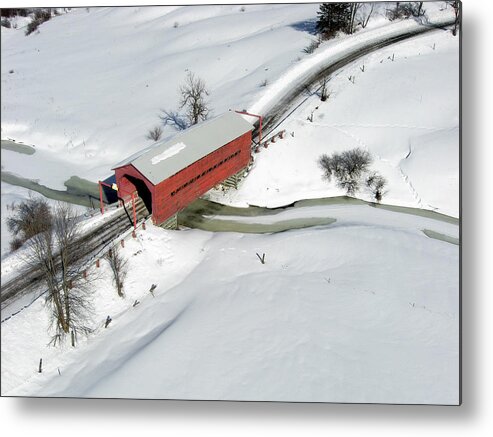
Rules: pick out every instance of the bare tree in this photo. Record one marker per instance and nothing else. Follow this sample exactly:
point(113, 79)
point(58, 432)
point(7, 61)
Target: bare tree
point(456, 5)
point(56, 252)
point(366, 18)
point(155, 133)
point(119, 268)
point(354, 8)
point(193, 93)
point(174, 119)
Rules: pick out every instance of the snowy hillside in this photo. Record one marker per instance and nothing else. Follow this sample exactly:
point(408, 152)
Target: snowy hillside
point(365, 310)
point(404, 111)
point(361, 307)
point(87, 100)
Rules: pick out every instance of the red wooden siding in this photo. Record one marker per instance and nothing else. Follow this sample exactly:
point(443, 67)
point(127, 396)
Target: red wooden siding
point(125, 186)
point(176, 192)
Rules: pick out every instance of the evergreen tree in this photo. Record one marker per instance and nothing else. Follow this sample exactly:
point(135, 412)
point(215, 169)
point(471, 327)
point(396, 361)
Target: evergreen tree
point(334, 17)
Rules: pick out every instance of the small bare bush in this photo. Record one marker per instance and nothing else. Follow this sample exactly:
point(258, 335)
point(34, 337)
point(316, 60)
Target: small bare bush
point(324, 91)
point(155, 133)
point(119, 267)
point(405, 10)
point(40, 16)
point(347, 167)
point(29, 218)
point(376, 183)
point(310, 48)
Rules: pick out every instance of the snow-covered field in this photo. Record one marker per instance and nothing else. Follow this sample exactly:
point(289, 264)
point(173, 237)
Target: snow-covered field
point(405, 112)
point(89, 98)
point(365, 310)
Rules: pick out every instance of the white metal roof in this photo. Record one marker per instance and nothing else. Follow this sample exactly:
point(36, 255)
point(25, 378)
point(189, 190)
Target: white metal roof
point(167, 157)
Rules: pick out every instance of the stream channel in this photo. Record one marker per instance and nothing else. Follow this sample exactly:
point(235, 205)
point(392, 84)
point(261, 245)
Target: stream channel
point(201, 213)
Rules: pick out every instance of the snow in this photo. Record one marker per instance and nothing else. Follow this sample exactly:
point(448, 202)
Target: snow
point(388, 331)
point(363, 310)
point(404, 112)
point(173, 150)
point(121, 63)
point(102, 89)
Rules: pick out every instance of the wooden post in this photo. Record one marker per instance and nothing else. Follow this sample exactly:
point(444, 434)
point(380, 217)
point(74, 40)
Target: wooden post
point(134, 210)
point(134, 235)
point(40, 370)
point(84, 274)
point(122, 243)
point(144, 226)
point(97, 263)
point(72, 333)
point(101, 204)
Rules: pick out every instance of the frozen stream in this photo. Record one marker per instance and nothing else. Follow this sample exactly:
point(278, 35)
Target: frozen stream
point(214, 217)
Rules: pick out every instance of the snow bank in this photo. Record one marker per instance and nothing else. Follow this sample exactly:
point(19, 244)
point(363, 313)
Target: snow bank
point(356, 312)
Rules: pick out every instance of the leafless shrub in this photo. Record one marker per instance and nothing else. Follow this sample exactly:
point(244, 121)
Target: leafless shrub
point(119, 267)
point(347, 167)
point(324, 92)
point(30, 217)
point(405, 10)
point(155, 133)
point(310, 48)
point(40, 16)
point(376, 183)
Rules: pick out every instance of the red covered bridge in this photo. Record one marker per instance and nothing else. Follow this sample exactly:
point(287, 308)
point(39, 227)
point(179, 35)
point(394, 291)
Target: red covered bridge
point(172, 173)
